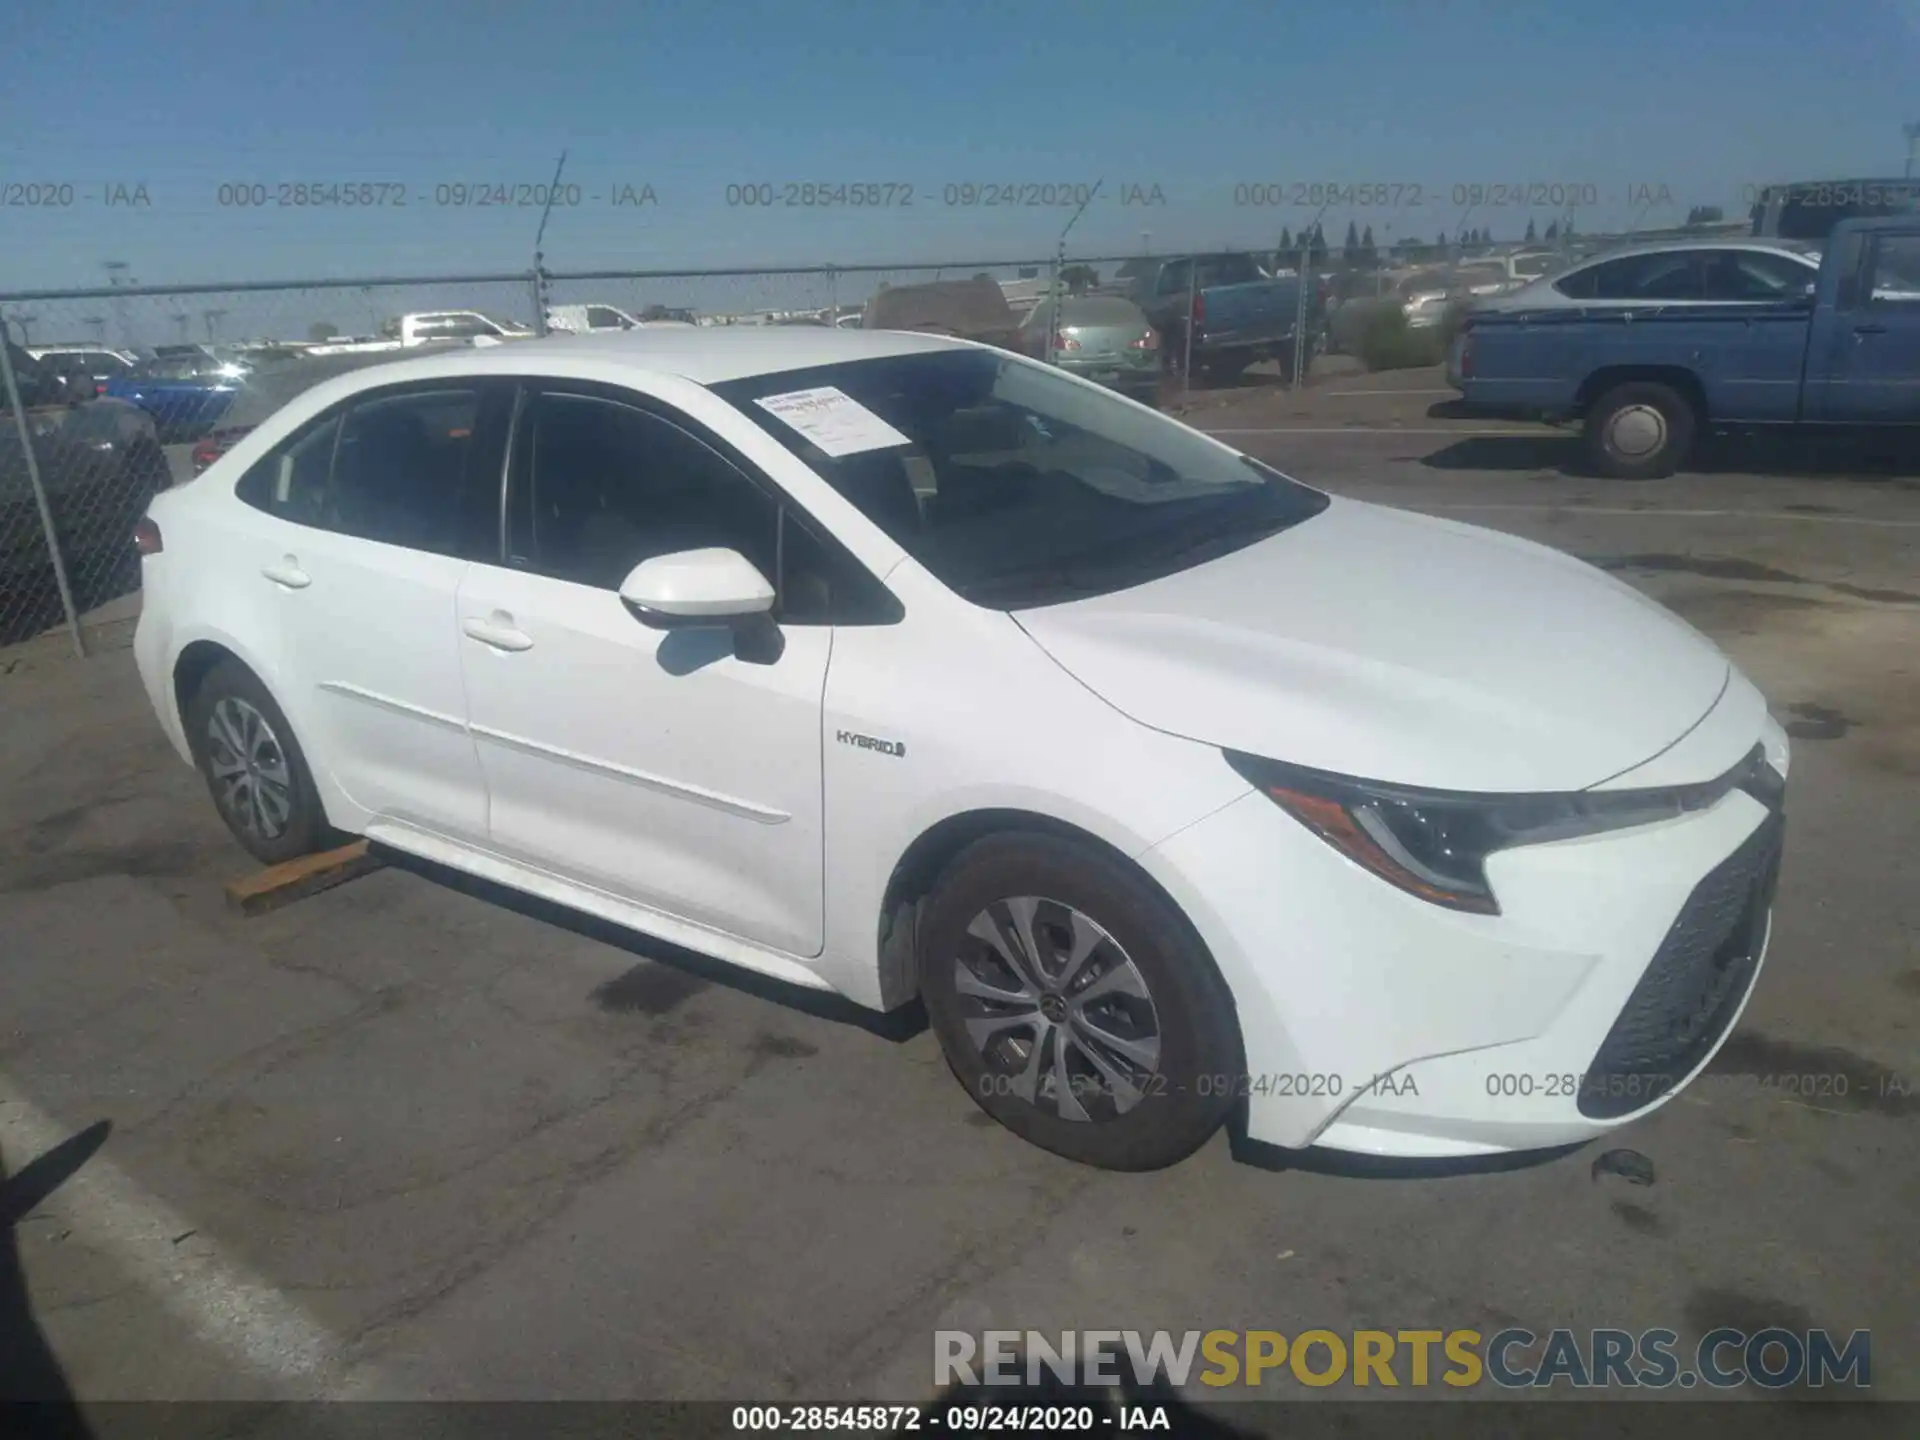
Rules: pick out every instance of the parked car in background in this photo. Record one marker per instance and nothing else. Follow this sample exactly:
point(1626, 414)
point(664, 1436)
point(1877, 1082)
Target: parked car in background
point(186, 391)
point(469, 325)
point(100, 464)
point(260, 394)
point(895, 668)
point(1103, 338)
point(1718, 272)
point(1646, 382)
point(852, 320)
point(966, 309)
point(1523, 266)
point(95, 361)
point(1235, 313)
point(593, 319)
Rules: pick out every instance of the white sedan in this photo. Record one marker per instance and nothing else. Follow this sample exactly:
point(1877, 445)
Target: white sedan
point(893, 665)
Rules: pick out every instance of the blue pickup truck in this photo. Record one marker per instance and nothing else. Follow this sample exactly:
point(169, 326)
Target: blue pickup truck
point(1645, 383)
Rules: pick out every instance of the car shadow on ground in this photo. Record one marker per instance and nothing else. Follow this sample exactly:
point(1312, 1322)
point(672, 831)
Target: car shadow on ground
point(33, 1387)
point(897, 1026)
point(1805, 457)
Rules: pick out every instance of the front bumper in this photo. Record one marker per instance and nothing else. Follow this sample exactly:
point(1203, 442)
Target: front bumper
point(1375, 1022)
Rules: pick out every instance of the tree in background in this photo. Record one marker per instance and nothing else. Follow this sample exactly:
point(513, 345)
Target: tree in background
point(1553, 231)
point(320, 331)
point(1286, 241)
point(1350, 249)
point(1369, 254)
point(1531, 237)
point(1317, 248)
point(1079, 278)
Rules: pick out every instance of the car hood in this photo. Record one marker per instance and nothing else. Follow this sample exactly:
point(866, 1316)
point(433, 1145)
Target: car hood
point(1395, 647)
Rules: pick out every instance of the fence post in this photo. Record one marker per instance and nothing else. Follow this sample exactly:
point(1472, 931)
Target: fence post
point(19, 409)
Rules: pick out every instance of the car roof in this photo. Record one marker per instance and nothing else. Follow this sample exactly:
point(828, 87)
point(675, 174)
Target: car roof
point(1765, 244)
point(706, 355)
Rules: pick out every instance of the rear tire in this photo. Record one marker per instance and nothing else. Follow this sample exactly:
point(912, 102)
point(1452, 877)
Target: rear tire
point(1129, 1061)
point(254, 767)
point(1641, 430)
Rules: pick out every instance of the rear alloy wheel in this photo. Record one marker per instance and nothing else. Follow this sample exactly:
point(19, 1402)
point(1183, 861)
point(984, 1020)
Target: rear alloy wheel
point(254, 769)
point(1641, 430)
point(1075, 1004)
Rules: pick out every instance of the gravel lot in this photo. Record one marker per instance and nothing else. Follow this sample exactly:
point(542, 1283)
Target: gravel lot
point(416, 1137)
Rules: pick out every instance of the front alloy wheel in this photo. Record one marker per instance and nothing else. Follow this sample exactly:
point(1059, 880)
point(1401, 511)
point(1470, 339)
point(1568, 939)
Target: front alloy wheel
point(1061, 1015)
point(1075, 1003)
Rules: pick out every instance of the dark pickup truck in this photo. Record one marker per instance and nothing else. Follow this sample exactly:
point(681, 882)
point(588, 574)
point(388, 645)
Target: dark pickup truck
point(1238, 315)
point(1645, 383)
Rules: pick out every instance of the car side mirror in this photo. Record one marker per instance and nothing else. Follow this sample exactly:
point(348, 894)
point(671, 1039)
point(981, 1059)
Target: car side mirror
point(709, 587)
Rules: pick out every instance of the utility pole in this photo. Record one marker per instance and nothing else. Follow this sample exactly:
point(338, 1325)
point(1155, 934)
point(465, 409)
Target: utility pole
point(213, 319)
point(116, 269)
point(539, 260)
point(1060, 264)
point(1912, 131)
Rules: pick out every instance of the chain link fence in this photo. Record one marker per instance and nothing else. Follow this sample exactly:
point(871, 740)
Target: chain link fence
point(113, 394)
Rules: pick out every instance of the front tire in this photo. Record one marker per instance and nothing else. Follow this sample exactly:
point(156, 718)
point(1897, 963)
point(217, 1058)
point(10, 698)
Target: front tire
point(1641, 430)
point(254, 767)
point(1075, 1004)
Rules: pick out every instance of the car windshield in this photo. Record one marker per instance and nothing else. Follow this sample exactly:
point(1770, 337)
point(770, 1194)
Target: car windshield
point(1014, 485)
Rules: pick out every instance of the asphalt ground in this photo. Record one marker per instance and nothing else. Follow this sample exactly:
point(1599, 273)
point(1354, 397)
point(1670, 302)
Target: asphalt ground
point(421, 1138)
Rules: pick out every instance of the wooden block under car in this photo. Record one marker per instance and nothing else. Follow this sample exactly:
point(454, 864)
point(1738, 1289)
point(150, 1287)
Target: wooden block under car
point(279, 885)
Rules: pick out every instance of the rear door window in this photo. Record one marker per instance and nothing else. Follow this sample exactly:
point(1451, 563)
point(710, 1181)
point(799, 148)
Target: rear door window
point(1753, 275)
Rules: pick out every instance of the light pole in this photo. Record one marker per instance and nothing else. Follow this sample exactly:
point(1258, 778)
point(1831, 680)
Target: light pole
point(1912, 131)
point(213, 319)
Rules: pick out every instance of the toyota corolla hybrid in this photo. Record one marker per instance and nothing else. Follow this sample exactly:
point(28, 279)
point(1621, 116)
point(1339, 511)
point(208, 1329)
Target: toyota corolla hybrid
point(895, 665)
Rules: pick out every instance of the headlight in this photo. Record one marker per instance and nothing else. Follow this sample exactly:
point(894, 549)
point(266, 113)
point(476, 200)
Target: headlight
point(1435, 843)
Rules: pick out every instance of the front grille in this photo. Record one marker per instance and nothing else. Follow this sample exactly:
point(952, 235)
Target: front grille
point(1694, 987)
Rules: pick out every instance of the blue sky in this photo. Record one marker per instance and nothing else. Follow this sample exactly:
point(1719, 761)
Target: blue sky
point(1196, 97)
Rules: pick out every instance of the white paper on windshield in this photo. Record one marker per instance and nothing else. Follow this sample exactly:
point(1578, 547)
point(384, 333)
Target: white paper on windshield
point(833, 420)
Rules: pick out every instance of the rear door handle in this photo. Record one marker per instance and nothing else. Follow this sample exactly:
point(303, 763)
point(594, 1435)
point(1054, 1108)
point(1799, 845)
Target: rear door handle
point(288, 573)
point(499, 633)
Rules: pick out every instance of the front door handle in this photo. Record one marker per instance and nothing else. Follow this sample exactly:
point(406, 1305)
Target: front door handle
point(288, 573)
point(500, 633)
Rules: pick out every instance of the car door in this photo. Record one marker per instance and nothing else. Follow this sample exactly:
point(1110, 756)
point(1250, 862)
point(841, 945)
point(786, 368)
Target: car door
point(371, 510)
point(656, 765)
point(1871, 336)
point(1752, 369)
